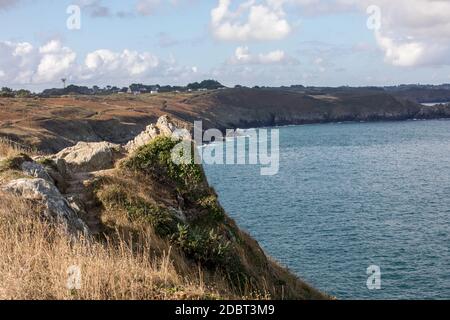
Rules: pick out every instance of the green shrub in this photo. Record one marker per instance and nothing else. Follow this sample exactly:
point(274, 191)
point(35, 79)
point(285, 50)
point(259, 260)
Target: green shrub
point(138, 210)
point(214, 210)
point(155, 159)
point(162, 221)
point(206, 247)
point(203, 238)
point(203, 245)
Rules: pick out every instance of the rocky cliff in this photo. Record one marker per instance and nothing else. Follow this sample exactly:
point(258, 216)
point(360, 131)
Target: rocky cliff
point(243, 108)
point(53, 124)
point(134, 196)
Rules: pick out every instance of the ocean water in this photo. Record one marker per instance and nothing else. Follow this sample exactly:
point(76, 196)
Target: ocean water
point(348, 196)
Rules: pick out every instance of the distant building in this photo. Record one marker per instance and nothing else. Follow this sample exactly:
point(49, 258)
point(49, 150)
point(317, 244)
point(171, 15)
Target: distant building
point(135, 92)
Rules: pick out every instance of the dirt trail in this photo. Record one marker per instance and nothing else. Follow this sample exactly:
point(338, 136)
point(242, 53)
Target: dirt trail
point(79, 193)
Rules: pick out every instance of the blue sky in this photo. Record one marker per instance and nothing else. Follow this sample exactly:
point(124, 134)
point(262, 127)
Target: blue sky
point(256, 42)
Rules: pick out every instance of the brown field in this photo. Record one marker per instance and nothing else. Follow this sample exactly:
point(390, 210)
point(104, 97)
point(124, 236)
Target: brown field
point(54, 123)
point(51, 124)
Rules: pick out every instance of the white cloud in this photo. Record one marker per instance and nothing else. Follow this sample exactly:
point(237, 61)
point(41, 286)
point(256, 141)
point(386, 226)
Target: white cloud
point(264, 20)
point(17, 61)
point(320, 63)
point(276, 56)
point(242, 55)
point(400, 53)
point(413, 32)
point(55, 61)
point(125, 64)
point(23, 64)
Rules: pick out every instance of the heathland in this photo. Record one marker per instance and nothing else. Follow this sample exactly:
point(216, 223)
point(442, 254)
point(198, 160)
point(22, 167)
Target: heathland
point(136, 225)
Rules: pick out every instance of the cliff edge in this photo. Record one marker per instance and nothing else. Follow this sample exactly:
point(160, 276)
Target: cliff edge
point(133, 224)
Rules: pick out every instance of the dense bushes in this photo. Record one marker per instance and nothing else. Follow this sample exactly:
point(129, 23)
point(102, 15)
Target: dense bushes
point(114, 196)
point(155, 159)
point(201, 235)
point(203, 245)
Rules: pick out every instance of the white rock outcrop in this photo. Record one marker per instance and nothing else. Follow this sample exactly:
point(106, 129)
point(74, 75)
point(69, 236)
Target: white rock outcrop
point(150, 133)
point(163, 127)
point(166, 128)
point(90, 156)
point(56, 206)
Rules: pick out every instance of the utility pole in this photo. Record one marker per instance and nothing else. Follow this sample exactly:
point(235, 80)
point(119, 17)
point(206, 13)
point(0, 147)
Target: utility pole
point(64, 82)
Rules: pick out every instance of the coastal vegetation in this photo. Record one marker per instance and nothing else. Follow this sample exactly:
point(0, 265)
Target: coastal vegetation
point(156, 231)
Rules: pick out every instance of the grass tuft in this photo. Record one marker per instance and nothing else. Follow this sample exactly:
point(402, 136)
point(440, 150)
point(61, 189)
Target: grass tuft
point(35, 258)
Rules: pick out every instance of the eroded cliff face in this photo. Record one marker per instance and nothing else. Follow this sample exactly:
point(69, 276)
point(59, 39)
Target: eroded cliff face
point(53, 124)
point(245, 108)
point(109, 192)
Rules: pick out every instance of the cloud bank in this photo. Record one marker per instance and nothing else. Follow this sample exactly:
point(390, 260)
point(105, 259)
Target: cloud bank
point(412, 32)
point(242, 55)
point(21, 63)
point(250, 21)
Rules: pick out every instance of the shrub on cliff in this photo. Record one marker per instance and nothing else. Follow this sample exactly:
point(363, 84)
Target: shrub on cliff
point(203, 244)
point(155, 159)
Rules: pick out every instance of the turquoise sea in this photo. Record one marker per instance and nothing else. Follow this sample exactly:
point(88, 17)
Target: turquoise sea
point(348, 196)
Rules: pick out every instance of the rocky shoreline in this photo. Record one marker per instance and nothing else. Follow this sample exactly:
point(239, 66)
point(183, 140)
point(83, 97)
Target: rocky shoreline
point(56, 123)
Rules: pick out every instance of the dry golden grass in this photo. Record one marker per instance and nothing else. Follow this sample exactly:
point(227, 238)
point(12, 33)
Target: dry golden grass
point(128, 259)
point(35, 257)
point(10, 148)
